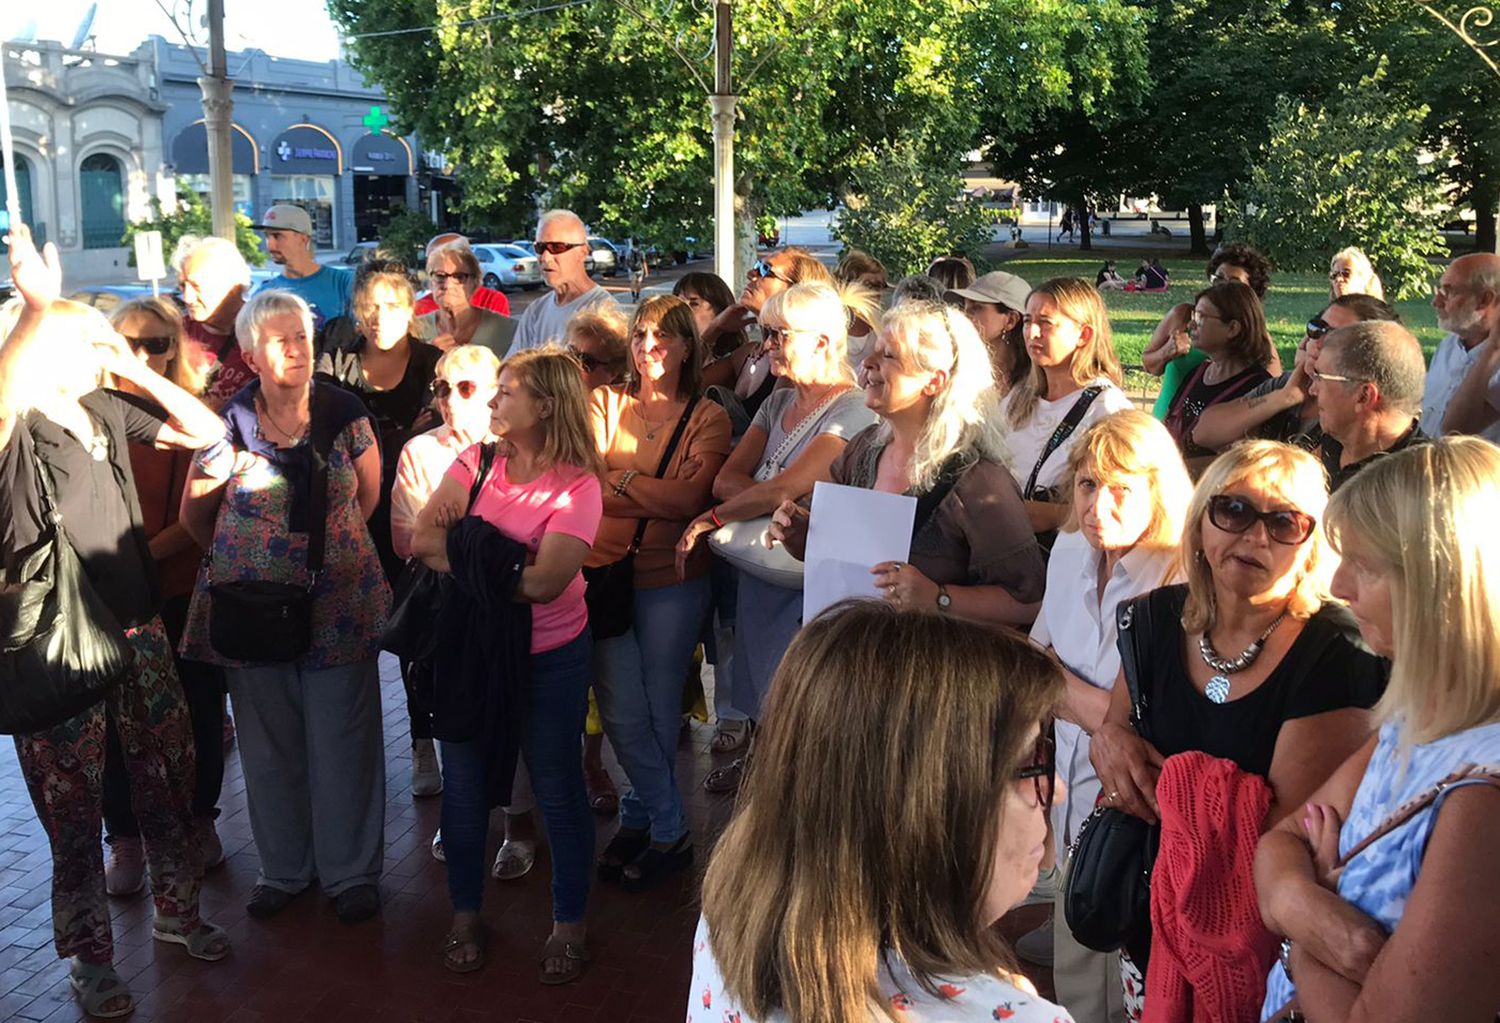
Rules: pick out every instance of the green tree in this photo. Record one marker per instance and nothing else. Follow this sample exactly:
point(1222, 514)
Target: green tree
point(191, 217)
point(1353, 169)
point(405, 236)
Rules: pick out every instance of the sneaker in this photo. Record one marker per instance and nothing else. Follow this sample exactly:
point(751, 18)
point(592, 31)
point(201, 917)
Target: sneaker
point(358, 904)
point(125, 871)
point(437, 846)
point(1045, 890)
point(1036, 946)
point(426, 777)
point(206, 843)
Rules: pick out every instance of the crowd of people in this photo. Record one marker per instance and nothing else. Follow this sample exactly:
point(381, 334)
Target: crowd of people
point(1248, 638)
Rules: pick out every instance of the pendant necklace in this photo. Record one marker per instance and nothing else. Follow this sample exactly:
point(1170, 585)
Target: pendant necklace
point(1217, 689)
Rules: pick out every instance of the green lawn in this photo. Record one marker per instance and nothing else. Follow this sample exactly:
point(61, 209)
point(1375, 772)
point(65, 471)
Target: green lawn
point(1292, 298)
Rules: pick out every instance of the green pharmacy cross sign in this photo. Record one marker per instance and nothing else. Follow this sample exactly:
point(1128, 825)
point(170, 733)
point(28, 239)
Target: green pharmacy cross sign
point(376, 120)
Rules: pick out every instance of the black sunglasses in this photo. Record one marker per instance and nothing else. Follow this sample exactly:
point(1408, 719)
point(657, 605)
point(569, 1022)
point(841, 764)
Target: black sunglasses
point(591, 362)
point(1042, 771)
point(465, 388)
point(1317, 327)
point(760, 268)
point(1237, 515)
point(153, 345)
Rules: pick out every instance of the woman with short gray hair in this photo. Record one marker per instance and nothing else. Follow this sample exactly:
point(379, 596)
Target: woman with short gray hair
point(453, 276)
point(292, 603)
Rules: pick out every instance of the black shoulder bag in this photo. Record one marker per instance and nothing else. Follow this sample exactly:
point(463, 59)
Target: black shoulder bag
point(1107, 893)
point(269, 622)
point(1064, 430)
point(411, 630)
point(61, 649)
point(610, 593)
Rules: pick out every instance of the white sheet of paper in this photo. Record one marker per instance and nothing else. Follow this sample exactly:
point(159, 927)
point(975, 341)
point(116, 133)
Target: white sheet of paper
point(851, 531)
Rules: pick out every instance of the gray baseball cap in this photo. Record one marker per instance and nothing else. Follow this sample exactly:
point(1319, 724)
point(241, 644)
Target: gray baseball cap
point(286, 217)
point(996, 287)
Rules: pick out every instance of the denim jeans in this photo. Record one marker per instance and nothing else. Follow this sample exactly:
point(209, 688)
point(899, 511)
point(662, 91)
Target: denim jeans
point(638, 682)
point(551, 733)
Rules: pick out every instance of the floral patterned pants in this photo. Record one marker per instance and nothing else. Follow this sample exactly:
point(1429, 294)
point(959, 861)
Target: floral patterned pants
point(64, 768)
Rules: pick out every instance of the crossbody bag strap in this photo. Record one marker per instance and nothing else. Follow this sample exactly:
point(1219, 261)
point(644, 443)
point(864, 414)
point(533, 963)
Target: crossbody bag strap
point(1487, 773)
point(1132, 621)
point(927, 504)
point(666, 460)
point(805, 424)
point(486, 460)
point(322, 448)
point(1063, 432)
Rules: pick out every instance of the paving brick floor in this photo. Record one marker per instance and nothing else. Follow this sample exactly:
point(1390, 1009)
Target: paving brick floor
point(304, 965)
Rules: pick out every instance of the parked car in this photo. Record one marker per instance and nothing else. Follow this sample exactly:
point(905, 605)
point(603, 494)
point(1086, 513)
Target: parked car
point(362, 253)
point(606, 257)
point(508, 266)
point(108, 297)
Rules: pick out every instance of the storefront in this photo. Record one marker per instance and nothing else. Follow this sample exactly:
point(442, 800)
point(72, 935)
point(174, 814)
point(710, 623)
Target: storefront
point(382, 164)
point(190, 162)
point(306, 162)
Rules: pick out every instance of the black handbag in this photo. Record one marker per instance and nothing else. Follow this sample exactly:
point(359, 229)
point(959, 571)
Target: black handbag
point(61, 649)
point(609, 591)
point(1107, 893)
point(411, 630)
point(266, 622)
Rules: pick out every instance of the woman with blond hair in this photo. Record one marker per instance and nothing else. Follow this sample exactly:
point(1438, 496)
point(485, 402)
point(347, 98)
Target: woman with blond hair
point(1074, 381)
point(1129, 492)
point(939, 439)
point(1350, 272)
point(1247, 661)
point(886, 823)
point(542, 494)
point(1404, 927)
point(789, 447)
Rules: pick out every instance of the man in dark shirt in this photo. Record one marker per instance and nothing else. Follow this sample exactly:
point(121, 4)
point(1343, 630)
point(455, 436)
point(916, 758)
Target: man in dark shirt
point(1368, 381)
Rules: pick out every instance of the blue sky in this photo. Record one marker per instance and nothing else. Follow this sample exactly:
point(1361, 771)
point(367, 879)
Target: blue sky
point(283, 28)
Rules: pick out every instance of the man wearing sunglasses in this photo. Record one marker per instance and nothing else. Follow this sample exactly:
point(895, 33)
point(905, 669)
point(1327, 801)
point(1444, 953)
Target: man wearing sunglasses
point(1367, 381)
point(562, 246)
point(1463, 382)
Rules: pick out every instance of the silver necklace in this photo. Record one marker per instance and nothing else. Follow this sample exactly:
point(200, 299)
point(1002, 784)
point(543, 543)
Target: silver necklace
point(1217, 689)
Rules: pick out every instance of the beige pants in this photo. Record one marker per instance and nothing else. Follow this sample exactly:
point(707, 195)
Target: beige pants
point(1087, 982)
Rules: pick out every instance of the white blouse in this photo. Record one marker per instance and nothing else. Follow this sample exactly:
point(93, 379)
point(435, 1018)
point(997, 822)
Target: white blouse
point(1028, 440)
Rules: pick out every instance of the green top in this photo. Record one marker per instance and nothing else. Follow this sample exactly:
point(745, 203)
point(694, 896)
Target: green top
point(1178, 370)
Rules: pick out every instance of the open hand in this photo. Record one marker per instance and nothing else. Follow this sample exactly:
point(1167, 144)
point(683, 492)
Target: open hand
point(36, 275)
point(1128, 767)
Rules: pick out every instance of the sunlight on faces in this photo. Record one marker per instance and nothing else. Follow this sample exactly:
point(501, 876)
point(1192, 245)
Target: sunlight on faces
point(1364, 582)
point(1251, 564)
point(657, 354)
point(141, 324)
point(758, 290)
point(1051, 336)
point(471, 415)
point(891, 380)
point(390, 309)
point(453, 290)
point(207, 283)
point(283, 353)
point(1114, 509)
point(1456, 303)
point(282, 244)
point(564, 266)
point(514, 411)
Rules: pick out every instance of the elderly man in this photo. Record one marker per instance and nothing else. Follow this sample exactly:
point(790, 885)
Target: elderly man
point(1467, 300)
point(562, 246)
point(483, 298)
point(1367, 380)
point(289, 240)
point(213, 278)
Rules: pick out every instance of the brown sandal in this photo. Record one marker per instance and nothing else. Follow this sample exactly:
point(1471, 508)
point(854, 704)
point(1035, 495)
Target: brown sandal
point(575, 957)
point(463, 940)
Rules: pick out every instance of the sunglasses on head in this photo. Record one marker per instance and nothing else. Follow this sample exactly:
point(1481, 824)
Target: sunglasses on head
point(1042, 770)
point(466, 389)
point(589, 362)
point(153, 345)
point(761, 269)
point(557, 248)
point(1317, 327)
point(1237, 515)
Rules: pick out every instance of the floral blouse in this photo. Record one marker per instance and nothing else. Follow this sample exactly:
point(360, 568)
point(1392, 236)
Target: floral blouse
point(252, 541)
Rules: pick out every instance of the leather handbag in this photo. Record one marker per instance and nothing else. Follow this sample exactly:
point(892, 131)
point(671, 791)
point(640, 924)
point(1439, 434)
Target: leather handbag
point(265, 622)
point(1107, 891)
point(61, 649)
point(411, 629)
point(610, 589)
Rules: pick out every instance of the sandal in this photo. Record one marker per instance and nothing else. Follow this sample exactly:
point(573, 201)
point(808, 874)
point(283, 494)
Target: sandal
point(624, 848)
point(463, 948)
point(97, 986)
point(654, 864)
point(205, 941)
point(604, 798)
point(574, 956)
point(729, 736)
point(725, 781)
point(515, 859)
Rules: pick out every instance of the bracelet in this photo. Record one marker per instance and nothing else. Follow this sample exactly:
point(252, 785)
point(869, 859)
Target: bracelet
point(713, 514)
point(630, 474)
point(1286, 957)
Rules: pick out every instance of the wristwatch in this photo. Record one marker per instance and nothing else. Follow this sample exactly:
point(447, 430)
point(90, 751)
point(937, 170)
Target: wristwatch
point(944, 601)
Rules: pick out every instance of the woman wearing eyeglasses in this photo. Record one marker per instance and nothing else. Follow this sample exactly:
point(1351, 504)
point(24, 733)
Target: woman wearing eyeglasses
point(453, 277)
point(1248, 661)
point(887, 822)
point(1351, 273)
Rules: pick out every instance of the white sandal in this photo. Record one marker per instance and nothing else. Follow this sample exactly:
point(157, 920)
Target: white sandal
point(515, 859)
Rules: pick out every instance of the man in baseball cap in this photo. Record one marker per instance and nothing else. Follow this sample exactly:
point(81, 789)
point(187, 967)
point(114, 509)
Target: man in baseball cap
point(996, 303)
point(289, 240)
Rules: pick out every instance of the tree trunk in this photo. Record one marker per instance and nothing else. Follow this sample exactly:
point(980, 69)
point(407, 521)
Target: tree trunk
point(1199, 237)
point(1484, 217)
point(1085, 242)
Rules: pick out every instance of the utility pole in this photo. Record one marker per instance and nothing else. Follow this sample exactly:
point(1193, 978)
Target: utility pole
point(723, 103)
point(218, 116)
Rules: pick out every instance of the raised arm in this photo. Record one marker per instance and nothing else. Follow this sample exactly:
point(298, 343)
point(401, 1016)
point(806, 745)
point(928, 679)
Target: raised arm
point(38, 278)
point(1169, 340)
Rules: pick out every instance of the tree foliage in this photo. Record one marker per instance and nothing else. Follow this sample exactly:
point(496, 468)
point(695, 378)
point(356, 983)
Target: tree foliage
point(1355, 170)
point(406, 234)
point(191, 217)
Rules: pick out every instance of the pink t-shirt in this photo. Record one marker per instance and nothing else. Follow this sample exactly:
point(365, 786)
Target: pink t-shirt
point(568, 502)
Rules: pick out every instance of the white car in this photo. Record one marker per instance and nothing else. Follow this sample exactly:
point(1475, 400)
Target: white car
point(507, 266)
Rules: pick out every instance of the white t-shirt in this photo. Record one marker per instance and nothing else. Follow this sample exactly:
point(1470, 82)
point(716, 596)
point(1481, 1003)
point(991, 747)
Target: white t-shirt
point(546, 323)
point(1080, 628)
point(1450, 364)
point(1029, 439)
point(966, 999)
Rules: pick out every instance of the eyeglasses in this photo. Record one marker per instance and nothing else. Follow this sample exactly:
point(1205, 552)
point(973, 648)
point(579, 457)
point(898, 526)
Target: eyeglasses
point(442, 389)
point(1237, 515)
point(153, 345)
point(1340, 275)
point(1042, 771)
point(557, 248)
point(1319, 377)
point(1317, 327)
point(761, 269)
point(1446, 291)
point(590, 363)
point(777, 337)
point(439, 277)
point(1200, 317)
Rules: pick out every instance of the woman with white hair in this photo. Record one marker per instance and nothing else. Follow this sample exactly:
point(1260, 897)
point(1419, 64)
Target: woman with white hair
point(292, 486)
point(1350, 272)
point(941, 439)
point(63, 456)
point(453, 276)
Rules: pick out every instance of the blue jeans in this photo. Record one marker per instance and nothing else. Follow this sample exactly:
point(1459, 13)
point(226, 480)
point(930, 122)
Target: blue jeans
point(638, 682)
point(551, 733)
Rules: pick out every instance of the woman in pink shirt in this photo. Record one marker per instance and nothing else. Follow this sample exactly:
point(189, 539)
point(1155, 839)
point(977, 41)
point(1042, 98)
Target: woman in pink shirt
point(542, 491)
